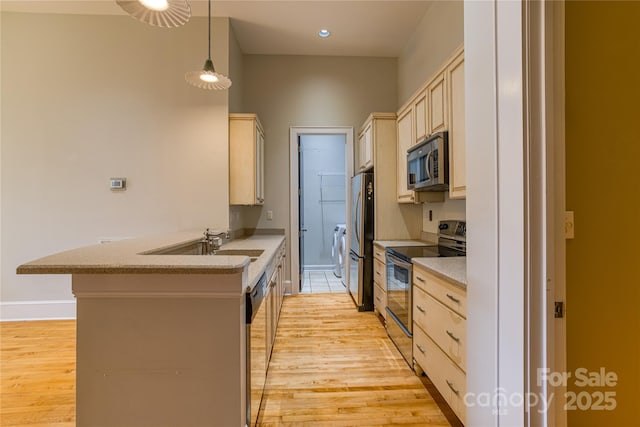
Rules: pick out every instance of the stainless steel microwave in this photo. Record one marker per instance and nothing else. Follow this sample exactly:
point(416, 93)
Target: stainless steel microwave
point(428, 164)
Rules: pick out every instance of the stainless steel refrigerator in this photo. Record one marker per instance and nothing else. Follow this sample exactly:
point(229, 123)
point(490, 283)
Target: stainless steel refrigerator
point(361, 250)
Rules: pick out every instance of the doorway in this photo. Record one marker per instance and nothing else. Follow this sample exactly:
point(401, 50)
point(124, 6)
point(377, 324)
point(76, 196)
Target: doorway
point(321, 165)
point(322, 212)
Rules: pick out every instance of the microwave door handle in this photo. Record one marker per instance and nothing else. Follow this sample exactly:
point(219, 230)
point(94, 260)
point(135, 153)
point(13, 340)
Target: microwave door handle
point(428, 165)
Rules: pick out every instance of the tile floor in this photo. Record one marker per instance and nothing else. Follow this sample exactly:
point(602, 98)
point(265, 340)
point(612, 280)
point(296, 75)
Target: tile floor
point(321, 282)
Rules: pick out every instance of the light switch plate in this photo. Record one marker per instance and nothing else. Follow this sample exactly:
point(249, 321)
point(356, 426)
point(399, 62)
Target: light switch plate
point(569, 225)
point(270, 215)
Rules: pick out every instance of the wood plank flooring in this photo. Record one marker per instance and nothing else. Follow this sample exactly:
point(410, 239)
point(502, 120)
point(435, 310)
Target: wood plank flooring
point(331, 366)
point(37, 373)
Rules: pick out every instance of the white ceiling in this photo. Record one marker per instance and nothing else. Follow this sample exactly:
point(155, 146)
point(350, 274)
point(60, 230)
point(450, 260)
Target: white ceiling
point(358, 27)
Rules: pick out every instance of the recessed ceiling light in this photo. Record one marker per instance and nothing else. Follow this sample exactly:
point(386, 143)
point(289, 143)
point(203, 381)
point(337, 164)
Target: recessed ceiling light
point(324, 33)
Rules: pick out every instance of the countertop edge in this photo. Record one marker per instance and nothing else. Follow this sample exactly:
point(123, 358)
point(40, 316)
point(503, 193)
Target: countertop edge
point(421, 263)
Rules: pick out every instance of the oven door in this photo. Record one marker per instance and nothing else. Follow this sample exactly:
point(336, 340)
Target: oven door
point(399, 290)
point(399, 320)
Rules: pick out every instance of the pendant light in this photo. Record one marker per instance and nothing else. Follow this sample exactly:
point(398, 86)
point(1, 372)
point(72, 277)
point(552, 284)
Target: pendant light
point(161, 13)
point(207, 78)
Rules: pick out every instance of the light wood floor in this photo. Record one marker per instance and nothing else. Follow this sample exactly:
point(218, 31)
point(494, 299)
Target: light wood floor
point(38, 373)
point(331, 366)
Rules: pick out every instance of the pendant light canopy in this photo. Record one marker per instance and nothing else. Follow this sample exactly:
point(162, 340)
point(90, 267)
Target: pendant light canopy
point(207, 78)
point(161, 13)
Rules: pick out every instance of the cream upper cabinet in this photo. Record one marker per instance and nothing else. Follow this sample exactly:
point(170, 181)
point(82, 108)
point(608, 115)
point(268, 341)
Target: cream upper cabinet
point(420, 116)
point(246, 147)
point(437, 110)
point(405, 141)
point(391, 220)
point(365, 148)
point(457, 136)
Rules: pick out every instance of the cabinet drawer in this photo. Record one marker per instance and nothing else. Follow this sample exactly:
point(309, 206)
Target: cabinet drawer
point(380, 300)
point(380, 274)
point(450, 381)
point(447, 293)
point(445, 327)
point(379, 253)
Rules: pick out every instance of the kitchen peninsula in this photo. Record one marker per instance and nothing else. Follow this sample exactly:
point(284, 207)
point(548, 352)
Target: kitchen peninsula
point(162, 338)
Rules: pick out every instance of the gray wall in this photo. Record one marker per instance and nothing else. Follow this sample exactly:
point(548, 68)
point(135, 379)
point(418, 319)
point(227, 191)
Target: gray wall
point(290, 91)
point(86, 98)
point(324, 205)
point(440, 32)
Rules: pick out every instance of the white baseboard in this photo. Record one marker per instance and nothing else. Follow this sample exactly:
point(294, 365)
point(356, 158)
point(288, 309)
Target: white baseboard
point(37, 310)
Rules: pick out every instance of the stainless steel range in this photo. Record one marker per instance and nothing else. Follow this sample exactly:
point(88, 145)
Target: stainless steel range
point(451, 242)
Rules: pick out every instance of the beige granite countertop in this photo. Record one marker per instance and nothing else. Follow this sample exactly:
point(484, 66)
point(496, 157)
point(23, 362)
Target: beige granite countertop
point(126, 257)
point(453, 269)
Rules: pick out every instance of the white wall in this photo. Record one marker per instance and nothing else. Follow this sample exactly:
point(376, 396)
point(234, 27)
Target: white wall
point(86, 98)
point(290, 91)
point(440, 32)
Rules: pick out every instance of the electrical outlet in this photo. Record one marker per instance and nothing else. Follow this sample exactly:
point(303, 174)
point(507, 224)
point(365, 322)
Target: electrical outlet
point(569, 225)
point(269, 215)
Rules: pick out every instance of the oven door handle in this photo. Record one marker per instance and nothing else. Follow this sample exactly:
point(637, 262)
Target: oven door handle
point(400, 263)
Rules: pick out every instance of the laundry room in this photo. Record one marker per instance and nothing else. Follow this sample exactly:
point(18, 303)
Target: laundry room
point(322, 213)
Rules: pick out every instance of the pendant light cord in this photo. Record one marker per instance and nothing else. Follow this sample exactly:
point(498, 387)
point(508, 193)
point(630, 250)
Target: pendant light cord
point(209, 29)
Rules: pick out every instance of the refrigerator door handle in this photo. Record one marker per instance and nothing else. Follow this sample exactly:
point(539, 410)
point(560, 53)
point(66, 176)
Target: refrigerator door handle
point(358, 216)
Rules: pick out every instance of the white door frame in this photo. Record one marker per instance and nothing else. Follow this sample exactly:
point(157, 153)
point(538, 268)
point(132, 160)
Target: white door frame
point(294, 170)
point(514, 119)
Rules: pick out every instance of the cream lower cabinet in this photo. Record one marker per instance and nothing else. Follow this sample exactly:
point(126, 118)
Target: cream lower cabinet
point(246, 160)
point(379, 281)
point(439, 336)
point(274, 298)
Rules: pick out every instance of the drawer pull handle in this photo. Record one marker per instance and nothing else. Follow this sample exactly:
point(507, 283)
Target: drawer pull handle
point(450, 384)
point(453, 337)
point(420, 348)
point(378, 298)
point(454, 299)
point(378, 254)
point(420, 309)
point(420, 279)
point(378, 273)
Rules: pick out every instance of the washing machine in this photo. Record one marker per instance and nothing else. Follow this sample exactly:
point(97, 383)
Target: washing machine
point(338, 249)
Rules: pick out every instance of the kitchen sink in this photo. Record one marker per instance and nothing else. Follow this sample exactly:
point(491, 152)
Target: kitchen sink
point(200, 248)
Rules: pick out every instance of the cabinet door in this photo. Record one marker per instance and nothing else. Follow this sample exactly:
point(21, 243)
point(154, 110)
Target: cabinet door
point(365, 147)
point(405, 140)
point(420, 117)
point(259, 167)
point(437, 104)
point(457, 136)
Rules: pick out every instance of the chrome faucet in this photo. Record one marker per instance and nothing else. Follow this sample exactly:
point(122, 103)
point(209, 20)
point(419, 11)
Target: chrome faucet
point(213, 240)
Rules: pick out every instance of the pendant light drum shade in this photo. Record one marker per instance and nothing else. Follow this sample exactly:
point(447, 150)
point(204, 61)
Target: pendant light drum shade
point(161, 13)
